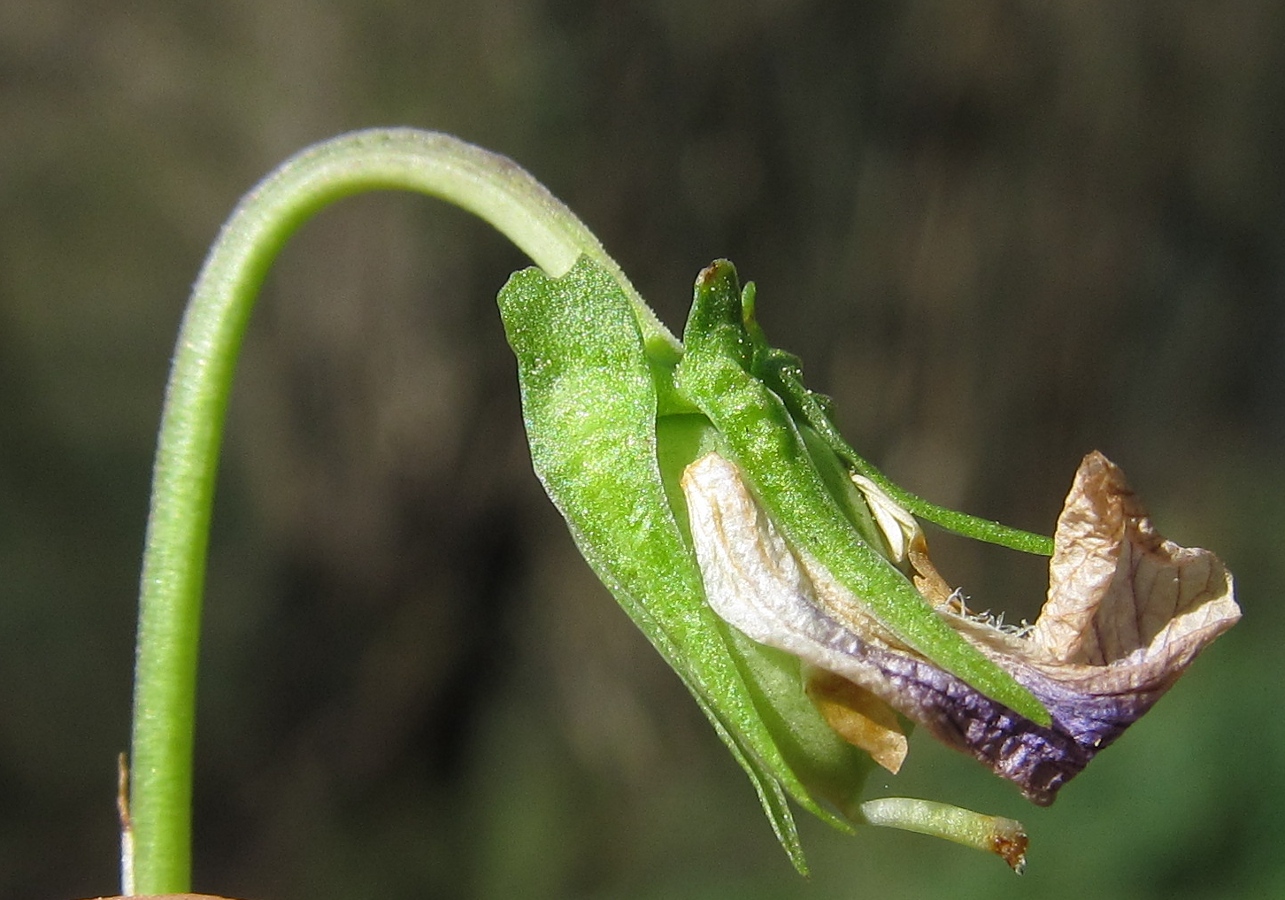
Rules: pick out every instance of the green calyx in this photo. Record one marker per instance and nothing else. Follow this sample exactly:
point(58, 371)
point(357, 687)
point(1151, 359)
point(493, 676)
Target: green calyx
point(612, 428)
point(610, 463)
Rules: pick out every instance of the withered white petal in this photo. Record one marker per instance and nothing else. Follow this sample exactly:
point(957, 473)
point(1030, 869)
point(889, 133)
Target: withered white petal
point(754, 580)
point(1127, 612)
point(899, 527)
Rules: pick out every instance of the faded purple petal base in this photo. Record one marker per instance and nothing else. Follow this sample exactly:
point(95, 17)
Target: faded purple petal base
point(1127, 612)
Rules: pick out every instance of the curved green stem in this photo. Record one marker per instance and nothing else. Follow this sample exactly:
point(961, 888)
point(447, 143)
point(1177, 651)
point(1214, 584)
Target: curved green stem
point(484, 183)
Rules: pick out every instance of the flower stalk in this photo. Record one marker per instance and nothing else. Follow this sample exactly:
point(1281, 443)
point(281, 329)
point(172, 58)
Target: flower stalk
point(196, 399)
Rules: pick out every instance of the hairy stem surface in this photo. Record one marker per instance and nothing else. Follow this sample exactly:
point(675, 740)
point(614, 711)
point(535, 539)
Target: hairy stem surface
point(196, 397)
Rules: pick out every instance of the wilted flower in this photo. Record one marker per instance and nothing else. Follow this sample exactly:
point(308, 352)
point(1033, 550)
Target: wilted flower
point(709, 490)
point(1127, 612)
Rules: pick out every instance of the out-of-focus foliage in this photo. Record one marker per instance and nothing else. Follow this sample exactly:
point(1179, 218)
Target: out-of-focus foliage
point(1000, 234)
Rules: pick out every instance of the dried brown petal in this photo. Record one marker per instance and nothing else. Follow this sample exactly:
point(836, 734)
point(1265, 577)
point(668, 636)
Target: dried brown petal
point(1127, 612)
point(859, 717)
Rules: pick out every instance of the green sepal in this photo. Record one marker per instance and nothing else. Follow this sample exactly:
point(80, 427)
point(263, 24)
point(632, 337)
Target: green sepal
point(716, 372)
point(782, 372)
point(590, 402)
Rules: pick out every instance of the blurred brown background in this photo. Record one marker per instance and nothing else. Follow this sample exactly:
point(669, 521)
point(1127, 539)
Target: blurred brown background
point(999, 233)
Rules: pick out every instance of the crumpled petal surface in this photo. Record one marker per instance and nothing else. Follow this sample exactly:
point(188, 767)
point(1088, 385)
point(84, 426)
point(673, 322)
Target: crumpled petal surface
point(1127, 612)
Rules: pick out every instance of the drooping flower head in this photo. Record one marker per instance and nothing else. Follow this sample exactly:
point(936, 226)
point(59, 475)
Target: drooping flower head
point(1127, 612)
point(789, 584)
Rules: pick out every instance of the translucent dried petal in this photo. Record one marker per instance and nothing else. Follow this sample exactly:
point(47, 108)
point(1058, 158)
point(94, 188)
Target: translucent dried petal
point(1127, 612)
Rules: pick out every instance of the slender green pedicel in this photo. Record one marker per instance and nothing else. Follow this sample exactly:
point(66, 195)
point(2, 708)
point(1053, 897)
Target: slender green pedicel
point(196, 398)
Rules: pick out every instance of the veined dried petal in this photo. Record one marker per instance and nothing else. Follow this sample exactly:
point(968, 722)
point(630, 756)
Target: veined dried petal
point(1127, 612)
point(899, 527)
point(905, 538)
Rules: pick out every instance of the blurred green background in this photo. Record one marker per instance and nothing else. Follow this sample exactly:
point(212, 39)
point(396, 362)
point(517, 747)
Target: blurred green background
point(1001, 234)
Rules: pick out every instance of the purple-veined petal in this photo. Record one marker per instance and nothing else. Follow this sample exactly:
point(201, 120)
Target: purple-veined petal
point(1127, 612)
